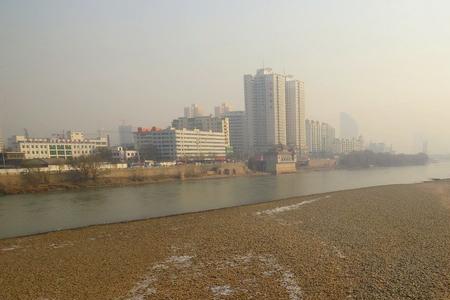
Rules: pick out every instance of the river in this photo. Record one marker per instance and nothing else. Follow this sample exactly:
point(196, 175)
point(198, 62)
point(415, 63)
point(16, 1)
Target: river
point(36, 213)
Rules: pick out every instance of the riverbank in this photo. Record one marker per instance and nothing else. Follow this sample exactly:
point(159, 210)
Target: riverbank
point(372, 243)
point(38, 182)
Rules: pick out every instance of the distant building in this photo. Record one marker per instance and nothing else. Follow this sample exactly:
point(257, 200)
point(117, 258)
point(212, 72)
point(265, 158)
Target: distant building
point(280, 161)
point(205, 123)
point(379, 148)
point(349, 127)
point(320, 137)
point(193, 111)
point(182, 144)
point(122, 154)
point(348, 145)
point(295, 115)
point(265, 105)
point(2, 143)
point(74, 145)
point(238, 132)
point(328, 137)
point(425, 147)
point(420, 143)
point(125, 135)
point(222, 109)
point(313, 136)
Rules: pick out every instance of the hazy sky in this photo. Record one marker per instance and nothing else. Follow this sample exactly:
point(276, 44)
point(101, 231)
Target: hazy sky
point(90, 64)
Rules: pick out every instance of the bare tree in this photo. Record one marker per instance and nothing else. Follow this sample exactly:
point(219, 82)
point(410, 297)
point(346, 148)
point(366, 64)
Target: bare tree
point(86, 167)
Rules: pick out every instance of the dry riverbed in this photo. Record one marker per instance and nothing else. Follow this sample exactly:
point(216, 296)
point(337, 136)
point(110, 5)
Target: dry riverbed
point(390, 242)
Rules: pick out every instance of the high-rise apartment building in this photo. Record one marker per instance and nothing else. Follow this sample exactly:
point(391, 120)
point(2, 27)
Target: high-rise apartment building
point(295, 115)
point(265, 105)
point(222, 109)
point(193, 111)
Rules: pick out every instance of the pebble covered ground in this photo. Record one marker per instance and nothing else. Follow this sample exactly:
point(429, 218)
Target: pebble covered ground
point(390, 242)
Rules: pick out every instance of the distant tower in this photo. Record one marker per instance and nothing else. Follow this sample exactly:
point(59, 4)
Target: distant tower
point(2, 143)
point(193, 111)
point(222, 109)
point(425, 147)
point(349, 127)
point(125, 135)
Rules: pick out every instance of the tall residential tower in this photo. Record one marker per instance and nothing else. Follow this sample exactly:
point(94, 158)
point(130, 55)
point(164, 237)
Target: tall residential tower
point(295, 115)
point(265, 105)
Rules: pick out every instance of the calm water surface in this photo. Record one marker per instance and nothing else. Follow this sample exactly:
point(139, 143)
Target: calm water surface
point(29, 214)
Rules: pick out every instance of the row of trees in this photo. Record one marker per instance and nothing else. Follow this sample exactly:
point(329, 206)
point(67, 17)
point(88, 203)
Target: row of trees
point(365, 159)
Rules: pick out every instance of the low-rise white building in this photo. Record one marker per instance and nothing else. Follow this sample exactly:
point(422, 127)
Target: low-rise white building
point(348, 145)
point(205, 123)
point(182, 144)
point(74, 145)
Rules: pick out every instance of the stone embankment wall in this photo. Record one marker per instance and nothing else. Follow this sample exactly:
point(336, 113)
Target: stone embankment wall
point(322, 164)
point(41, 181)
point(285, 168)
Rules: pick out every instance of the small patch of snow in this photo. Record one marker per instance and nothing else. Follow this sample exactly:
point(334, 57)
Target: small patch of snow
point(286, 208)
point(224, 290)
point(338, 253)
point(289, 283)
point(180, 260)
point(142, 289)
point(13, 247)
point(62, 245)
point(160, 267)
point(287, 280)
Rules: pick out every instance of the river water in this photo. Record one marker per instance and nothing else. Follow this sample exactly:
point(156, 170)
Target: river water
point(37, 213)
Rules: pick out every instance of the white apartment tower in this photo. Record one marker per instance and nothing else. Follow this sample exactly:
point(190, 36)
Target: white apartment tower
point(265, 104)
point(313, 136)
point(295, 115)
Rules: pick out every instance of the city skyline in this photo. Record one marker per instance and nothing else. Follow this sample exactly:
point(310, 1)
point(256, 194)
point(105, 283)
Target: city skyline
point(370, 71)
